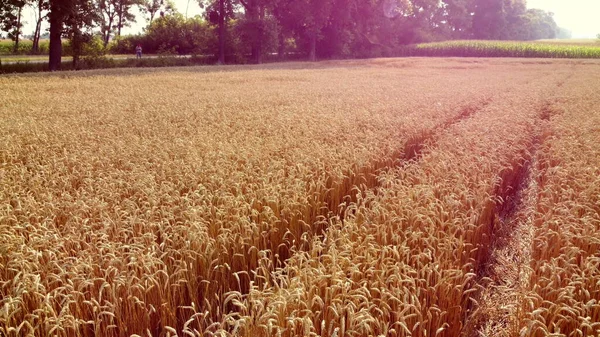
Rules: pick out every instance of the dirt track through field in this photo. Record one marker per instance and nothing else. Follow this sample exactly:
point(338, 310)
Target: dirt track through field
point(364, 180)
point(505, 275)
point(512, 189)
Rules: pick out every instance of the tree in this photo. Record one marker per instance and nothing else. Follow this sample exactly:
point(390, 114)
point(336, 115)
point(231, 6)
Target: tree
point(167, 8)
point(222, 31)
point(108, 13)
point(489, 19)
point(79, 22)
point(10, 19)
point(511, 20)
point(40, 8)
point(150, 7)
point(124, 15)
point(255, 11)
point(218, 13)
point(457, 15)
point(114, 15)
point(57, 16)
point(540, 25)
point(502, 20)
point(280, 13)
point(175, 33)
point(74, 18)
point(307, 18)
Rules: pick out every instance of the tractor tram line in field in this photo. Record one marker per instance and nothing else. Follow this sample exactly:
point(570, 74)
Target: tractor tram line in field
point(506, 276)
point(363, 213)
point(365, 180)
point(412, 152)
point(562, 294)
point(414, 149)
point(334, 211)
point(362, 181)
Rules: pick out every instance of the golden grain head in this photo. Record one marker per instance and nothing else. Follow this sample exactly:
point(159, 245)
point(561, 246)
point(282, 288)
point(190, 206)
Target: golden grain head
point(341, 199)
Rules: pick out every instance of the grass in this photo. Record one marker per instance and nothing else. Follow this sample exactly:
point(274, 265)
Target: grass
point(349, 198)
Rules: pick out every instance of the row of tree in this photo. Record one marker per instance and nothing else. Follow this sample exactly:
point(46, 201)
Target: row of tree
point(346, 28)
point(318, 28)
point(104, 17)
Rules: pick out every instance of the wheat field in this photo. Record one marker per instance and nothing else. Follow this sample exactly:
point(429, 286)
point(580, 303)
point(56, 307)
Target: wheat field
point(387, 197)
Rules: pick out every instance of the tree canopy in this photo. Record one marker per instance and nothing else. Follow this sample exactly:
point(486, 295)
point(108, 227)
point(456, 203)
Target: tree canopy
point(11, 19)
point(316, 29)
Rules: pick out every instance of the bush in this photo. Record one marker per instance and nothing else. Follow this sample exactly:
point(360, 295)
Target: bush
point(125, 44)
point(96, 62)
point(171, 35)
point(94, 47)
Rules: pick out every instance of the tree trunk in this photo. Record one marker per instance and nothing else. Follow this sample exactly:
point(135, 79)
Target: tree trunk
point(55, 37)
point(222, 28)
point(108, 27)
point(312, 56)
point(35, 49)
point(18, 30)
point(281, 45)
point(260, 36)
point(107, 34)
point(254, 16)
point(76, 45)
point(120, 19)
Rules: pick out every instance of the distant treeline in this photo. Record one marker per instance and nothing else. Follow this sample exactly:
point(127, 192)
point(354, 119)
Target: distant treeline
point(235, 30)
point(368, 30)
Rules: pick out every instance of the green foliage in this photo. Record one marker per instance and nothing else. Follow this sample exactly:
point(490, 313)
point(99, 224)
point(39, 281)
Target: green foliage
point(257, 29)
point(103, 62)
point(10, 17)
point(536, 24)
point(511, 20)
point(94, 47)
point(150, 8)
point(171, 34)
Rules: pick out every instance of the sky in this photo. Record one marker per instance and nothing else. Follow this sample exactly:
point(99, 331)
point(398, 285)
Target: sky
point(579, 16)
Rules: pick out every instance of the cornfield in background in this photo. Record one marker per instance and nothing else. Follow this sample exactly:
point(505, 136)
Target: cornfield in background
point(474, 48)
point(386, 197)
